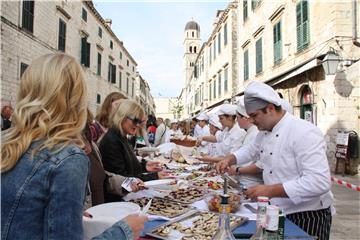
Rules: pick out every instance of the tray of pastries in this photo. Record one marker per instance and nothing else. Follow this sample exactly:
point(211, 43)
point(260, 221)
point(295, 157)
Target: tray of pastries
point(193, 225)
point(186, 195)
point(163, 207)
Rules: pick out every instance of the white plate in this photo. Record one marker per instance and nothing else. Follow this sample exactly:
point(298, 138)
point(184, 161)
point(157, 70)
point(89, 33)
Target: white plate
point(166, 147)
point(159, 182)
point(105, 215)
point(148, 149)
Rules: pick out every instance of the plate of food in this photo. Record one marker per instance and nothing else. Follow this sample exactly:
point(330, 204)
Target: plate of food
point(159, 182)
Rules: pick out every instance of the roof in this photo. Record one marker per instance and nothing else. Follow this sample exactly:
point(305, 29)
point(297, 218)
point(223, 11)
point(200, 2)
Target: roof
point(192, 25)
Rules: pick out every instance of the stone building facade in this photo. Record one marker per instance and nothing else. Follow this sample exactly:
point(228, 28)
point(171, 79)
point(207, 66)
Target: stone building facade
point(284, 43)
point(143, 95)
point(30, 29)
point(211, 71)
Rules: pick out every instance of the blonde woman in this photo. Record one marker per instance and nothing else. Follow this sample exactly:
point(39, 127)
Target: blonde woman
point(117, 154)
point(43, 168)
point(100, 126)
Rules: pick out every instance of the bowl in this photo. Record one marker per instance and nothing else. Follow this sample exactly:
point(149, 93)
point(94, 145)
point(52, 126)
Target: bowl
point(213, 201)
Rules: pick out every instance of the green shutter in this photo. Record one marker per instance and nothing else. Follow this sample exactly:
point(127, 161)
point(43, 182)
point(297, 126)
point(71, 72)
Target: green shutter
point(259, 55)
point(246, 65)
point(113, 74)
point(277, 43)
point(302, 25)
point(219, 84)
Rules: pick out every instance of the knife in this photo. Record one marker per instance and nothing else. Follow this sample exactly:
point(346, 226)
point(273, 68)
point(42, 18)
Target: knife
point(146, 208)
point(251, 208)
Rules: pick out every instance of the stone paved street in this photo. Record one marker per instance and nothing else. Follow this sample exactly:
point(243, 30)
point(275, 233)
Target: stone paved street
point(346, 222)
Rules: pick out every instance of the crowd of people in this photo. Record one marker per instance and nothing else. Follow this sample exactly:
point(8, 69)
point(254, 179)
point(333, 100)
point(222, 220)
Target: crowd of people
point(58, 159)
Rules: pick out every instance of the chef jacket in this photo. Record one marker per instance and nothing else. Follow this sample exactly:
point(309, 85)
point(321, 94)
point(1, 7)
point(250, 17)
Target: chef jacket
point(214, 149)
point(293, 154)
point(200, 132)
point(231, 139)
point(171, 133)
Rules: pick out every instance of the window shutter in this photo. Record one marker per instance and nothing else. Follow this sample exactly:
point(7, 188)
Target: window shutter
point(83, 51)
point(87, 54)
point(277, 43)
point(259, 55)
point(246, 65)
point(113, 74)
point(109, 72)
point(219, 84)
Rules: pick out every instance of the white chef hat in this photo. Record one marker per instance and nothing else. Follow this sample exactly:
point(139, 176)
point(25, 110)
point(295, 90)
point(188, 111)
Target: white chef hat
point(286, 106)
point(258, 95)
point(202, 116)
point(241, 107)
point(173, 121)
point(227, 109)
point(214, 120)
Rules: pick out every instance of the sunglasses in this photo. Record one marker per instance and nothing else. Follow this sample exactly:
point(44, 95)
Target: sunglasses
point(136, 121)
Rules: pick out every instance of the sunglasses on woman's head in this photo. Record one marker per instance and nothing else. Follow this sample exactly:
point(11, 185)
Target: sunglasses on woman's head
point(135, 120)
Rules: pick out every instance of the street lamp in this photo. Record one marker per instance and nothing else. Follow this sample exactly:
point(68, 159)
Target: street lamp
point(330, 62)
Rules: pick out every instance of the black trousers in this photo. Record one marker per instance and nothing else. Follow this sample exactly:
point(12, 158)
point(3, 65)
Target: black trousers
point(315, 223)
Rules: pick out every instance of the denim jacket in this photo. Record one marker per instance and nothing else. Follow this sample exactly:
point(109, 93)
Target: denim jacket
point(42, 197)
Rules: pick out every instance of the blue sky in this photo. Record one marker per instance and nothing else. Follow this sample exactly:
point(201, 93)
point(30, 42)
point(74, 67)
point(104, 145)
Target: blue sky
point(152, 31)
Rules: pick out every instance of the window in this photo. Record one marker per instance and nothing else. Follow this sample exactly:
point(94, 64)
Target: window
point(120, 55)
point(127, 85)
point(194, 49)
point(132, 88)
point(23, 67)
point(302, 25)
point(98, 98)
point(127, 63)
point(219, 84)
point(226, 80)
point(111, 44)
point(225, 34)
point(84, 15)
point(133, 69)
point(219, 43)
point(112, 73)
point(246, 65)
point(259, 56)
point(214, 48)
point(85, 52)
point(210, 91)
point(210, 54)
point(306, 108)
point(214, 88)
point(245, 10)
point(98, 64)
point(28, 16)
point(120, 80)
point(100, 32)
point(62, 35)
point(192, 33)
point(190, 49)
point(255, 3)
point(277, 43)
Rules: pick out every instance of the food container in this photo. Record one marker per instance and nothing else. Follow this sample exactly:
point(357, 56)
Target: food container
point(193, 225)
point(213, 201)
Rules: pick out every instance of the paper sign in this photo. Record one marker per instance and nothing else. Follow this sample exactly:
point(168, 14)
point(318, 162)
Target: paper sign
point(342, 138)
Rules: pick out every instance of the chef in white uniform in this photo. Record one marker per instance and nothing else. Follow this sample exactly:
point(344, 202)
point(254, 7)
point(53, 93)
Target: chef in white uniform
point(232, 135)
point(215, 130)
point(292, 158)
point(174, 131)
point(202, 129)
point(243, 120)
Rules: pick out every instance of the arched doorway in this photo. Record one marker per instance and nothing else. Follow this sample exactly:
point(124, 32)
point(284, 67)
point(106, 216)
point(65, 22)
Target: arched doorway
point(306, 104)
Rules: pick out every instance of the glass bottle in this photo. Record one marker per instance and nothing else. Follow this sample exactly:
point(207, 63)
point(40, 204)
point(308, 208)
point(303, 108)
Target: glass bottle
point(272, 223)
point(263, 202)
point(224, 230)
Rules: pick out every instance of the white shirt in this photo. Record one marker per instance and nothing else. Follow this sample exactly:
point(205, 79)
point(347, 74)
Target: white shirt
point(214, 149)
point(160, 134)
point(199, 132)
point(230, 140)
point(251, 133)
point(171, 133)
point(294, 154)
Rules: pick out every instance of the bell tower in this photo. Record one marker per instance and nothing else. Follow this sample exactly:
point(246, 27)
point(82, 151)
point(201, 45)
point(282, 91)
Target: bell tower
point(192, 44)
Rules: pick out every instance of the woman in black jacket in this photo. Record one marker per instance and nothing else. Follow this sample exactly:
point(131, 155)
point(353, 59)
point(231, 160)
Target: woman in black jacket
point(117, 154)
